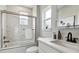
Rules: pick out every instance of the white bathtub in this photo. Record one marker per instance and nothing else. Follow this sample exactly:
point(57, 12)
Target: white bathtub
point(17, 47)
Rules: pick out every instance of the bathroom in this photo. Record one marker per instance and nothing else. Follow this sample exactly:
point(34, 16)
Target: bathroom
point(32, 28)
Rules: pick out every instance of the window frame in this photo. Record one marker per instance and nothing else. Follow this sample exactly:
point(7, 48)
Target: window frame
point(43, 19)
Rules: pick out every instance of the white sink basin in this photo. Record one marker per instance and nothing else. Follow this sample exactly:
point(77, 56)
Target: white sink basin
point(73, 46)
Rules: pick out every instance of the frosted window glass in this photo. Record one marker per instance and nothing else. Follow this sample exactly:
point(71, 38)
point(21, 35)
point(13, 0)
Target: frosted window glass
point(23, 20)
point(48, 23)
point(48, 14)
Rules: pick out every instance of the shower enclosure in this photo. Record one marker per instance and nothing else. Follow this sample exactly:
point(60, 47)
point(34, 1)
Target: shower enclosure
point(16, 29)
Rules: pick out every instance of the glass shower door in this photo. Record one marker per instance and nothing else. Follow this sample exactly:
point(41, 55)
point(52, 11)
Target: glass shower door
point(17, 30)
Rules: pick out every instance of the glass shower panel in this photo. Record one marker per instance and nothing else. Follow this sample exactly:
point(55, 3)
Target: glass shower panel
point(15, 34)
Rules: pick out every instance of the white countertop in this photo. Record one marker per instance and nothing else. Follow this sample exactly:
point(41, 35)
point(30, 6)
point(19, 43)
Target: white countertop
point(58, 47)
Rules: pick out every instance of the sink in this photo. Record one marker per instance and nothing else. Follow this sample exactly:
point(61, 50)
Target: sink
point(66, 44)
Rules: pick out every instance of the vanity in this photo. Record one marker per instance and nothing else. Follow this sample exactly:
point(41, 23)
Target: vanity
point(49, 45)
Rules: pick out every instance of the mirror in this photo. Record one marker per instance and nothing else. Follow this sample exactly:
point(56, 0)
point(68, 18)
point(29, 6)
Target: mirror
point(66, 17)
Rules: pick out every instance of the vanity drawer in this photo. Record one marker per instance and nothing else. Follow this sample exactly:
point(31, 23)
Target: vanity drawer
point(46, 48)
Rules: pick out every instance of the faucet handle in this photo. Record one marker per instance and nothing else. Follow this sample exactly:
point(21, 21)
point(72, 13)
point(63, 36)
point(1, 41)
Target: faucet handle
point(74, 40)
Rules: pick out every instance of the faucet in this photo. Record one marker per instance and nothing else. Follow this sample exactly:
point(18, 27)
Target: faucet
point(69, 37)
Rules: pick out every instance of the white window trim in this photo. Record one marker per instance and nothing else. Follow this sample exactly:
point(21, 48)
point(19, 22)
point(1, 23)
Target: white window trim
point(43, 24)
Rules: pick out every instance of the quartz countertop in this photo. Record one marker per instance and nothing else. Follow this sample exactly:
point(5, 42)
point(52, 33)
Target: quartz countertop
point(57, 47)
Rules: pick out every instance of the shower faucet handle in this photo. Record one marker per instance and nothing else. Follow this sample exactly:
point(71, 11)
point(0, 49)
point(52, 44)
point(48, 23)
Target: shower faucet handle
point(6, 41)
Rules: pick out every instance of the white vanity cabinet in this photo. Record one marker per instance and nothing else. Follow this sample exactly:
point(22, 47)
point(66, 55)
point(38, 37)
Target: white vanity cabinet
point(44, 48)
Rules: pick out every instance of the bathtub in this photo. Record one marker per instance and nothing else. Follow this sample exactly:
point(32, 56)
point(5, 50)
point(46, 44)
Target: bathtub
point(17, 47)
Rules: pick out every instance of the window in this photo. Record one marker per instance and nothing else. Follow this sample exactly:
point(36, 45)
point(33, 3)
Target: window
point(47, 19)
point(23, 19)
point(48, 13)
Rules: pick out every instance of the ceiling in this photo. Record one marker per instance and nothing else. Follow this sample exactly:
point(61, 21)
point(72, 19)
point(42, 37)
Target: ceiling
point(29, 6)
point(32, 6)
point(60, 6)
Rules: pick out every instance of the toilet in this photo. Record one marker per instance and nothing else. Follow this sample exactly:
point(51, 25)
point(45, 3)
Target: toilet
point(33, 49)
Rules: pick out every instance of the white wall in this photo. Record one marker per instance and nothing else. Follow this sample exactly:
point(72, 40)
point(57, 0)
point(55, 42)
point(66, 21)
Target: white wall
point(38, 22)
point(68, 10)
point(54, 19)
point(2, 7)
point(34, 13)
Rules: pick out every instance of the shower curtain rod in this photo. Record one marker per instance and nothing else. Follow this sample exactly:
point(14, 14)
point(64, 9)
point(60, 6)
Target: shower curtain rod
point(14, 13)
